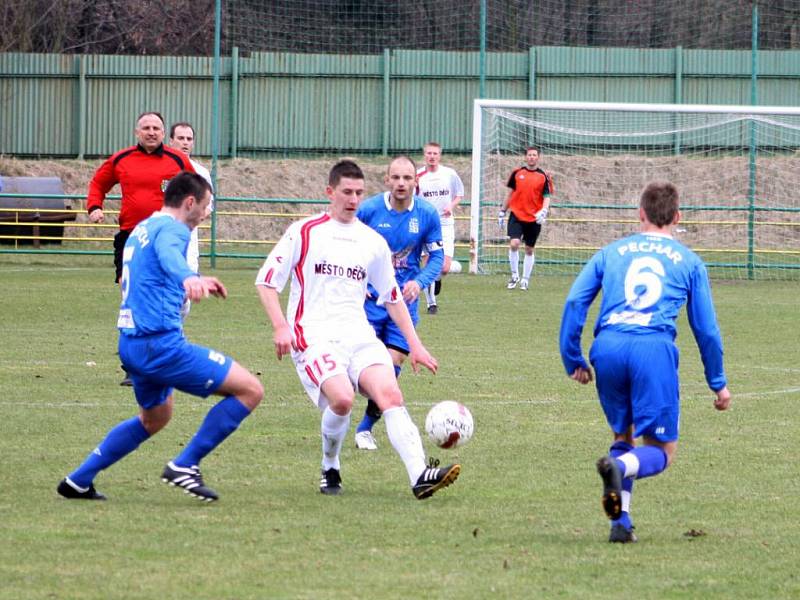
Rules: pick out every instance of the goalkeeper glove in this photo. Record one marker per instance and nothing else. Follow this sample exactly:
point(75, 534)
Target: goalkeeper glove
point(501, 217)
point(541, 216)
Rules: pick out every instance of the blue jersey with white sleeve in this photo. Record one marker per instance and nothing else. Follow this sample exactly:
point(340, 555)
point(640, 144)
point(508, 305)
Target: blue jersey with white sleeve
point(153, 270)
point(408, 233)
point(645, 278)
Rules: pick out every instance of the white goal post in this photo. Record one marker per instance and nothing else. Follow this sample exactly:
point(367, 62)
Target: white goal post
point(737, 169)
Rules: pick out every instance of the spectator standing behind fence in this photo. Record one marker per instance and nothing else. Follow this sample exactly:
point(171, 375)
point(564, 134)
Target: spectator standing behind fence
point(645, 279)
point(442, 187)
point(182, 137)
point(142, 172)
point(529, 203)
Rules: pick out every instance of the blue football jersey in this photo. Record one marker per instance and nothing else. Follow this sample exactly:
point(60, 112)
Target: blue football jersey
point(153, 270)
point(645, 279)
point(408, 233)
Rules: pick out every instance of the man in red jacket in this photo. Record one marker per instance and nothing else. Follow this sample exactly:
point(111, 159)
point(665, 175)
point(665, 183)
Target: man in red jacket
point(142, 172)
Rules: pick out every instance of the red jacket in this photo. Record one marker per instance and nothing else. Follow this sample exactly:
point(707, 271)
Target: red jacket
point(142, 178)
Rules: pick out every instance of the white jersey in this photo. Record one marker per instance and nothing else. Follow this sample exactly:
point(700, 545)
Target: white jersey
point(440, 188)
point(203, 172)
point(193, 252)
point(330, 264)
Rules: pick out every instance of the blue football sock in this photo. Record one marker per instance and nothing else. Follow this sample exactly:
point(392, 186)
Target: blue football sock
point(652, 461)
point(624, 520)
point(616, 450)
point(221, 421)
point(646, 460)
point(371, 417)
point(123, 439)
point(619, 448)
point(367, 422)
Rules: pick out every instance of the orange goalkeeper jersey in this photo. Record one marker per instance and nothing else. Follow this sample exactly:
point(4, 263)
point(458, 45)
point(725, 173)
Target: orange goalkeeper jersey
point(529, 190)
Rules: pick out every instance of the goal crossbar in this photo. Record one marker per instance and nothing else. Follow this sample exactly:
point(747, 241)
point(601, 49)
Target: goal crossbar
point(481, 106)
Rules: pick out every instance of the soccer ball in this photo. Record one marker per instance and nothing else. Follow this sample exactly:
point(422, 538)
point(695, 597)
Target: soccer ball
point(449, 424)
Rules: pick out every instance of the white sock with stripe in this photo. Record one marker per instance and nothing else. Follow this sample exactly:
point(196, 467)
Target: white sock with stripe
point(404, 437)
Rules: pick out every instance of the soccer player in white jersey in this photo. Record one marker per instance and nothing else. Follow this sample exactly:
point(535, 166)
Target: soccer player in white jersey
point(645, 278)
point(155, 281)
point(442, 187)
point(182, 137)
point(331, 257)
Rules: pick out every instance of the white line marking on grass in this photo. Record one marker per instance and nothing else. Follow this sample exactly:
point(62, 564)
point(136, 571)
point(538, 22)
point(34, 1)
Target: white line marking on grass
point(486, 400)
point(735, 395)
point(299, 403)
point(775, 369)
point(770, 393)
point(55, 404)
point(30, 364)
point(32, 269)
point(290, 404)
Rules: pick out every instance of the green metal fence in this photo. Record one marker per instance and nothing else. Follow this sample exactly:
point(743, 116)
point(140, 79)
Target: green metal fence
point(268, 217)
point(274, 102)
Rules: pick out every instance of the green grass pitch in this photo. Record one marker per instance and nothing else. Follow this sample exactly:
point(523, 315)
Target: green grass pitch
point(523, 520)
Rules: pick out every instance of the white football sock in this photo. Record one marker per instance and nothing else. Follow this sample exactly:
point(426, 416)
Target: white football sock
point(334, 430)
point(527, 266)
point(631, 462)
point(513, 260)
point(404, 437)
point(626, 501)
point(428, 294)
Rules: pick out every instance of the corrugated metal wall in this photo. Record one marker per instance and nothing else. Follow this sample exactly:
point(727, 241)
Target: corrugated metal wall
point(54, 105)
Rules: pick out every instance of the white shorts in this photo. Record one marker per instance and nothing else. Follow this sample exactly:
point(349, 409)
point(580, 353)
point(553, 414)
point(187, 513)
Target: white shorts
point(320, 362)
point(449, 240)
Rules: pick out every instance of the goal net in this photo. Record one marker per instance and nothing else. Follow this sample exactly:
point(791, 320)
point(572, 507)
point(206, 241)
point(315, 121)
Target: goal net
point(736, 168)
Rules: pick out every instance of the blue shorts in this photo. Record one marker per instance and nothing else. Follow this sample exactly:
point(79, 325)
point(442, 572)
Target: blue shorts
point(385, 328)
point(637, 382)
point(158, 363)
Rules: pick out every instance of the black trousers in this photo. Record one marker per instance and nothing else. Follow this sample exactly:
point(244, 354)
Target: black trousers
point(119, 244)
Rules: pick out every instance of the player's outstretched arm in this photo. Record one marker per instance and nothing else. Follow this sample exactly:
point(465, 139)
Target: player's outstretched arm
point(723, 399)
point(103, 180)
point(282, 334)
point(418, 354)
point(197, 288)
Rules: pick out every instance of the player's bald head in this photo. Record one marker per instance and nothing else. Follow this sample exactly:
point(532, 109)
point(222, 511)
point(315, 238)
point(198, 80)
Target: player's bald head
point(400, 160)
